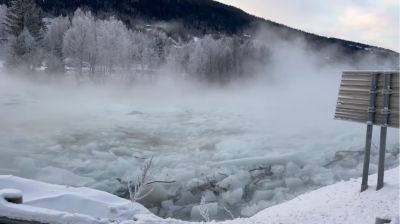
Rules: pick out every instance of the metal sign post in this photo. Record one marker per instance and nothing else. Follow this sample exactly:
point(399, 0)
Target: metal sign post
point(385, 112)
point(370, 126)
point(370, 97)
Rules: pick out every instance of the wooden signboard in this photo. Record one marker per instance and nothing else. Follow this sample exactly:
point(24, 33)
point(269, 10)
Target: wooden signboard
point(354, 101)
point(372, 98)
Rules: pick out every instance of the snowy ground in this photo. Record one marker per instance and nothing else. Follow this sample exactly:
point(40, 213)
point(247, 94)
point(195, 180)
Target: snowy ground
point(243, 148)
point(338, 203)
point(60, 204)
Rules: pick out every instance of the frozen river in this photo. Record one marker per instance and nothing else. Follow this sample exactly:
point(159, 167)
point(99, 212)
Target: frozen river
point(243, 148)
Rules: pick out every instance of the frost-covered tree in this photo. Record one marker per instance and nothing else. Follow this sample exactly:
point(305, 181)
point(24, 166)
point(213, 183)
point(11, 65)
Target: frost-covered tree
point(3, 33)
point(15, 18)
point(137, 49)
point(23, 51)
point(150, 49)
point(3, 13)
point(24, 27)
point(220, 59)
point(113, 44)
point(158, 49)
point(80, 41)
point(24, 14)
point(54, 40)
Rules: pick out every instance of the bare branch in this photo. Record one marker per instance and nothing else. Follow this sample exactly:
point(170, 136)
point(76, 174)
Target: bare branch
point(137, 190)
point(203, 209)
point(229, 212)
point(161, 181)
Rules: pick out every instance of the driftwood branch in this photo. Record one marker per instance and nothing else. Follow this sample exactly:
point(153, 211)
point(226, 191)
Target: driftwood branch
point(161, 181)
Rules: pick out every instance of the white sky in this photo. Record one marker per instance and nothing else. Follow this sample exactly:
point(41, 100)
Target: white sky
point(374, 22)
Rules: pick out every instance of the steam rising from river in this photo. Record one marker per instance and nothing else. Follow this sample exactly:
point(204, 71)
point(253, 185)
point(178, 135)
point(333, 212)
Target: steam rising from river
point(91, 135)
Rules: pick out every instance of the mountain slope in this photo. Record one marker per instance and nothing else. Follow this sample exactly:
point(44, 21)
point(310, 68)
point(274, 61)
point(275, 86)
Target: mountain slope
point(199, 17)
point(203, 15)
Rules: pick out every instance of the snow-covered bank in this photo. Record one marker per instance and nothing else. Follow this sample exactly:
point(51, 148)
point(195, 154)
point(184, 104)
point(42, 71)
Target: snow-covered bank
point(61, 204)
point(338, 203)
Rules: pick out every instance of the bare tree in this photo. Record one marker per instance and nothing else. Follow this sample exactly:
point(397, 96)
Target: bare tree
point(54, 44)
point(113, 44)
point(80, 39)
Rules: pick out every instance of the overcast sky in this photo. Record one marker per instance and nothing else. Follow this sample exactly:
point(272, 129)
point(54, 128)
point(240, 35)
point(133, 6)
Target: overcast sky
point(373, 22)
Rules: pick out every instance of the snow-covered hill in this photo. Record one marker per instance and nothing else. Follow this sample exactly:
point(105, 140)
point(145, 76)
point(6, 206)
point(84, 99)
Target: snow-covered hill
point(338, 203)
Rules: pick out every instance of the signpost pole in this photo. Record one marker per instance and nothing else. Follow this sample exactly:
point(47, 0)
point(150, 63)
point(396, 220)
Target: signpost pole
point(385, 113)
point(370, 122)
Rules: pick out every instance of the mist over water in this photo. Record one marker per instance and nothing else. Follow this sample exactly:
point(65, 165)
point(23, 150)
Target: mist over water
point(90, 135)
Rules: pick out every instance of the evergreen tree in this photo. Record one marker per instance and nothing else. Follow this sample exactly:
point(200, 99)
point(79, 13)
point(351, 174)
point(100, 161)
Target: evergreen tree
point(24, 14)
point(22, 52)
point(25, 28)
point(3, 12)
point(14, 21)
point(34, 21)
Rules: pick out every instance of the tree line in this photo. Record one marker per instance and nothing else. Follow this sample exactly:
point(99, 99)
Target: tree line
point(93, 48)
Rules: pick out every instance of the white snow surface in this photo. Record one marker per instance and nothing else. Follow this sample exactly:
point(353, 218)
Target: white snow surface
point(61, 204)
point(338, 203)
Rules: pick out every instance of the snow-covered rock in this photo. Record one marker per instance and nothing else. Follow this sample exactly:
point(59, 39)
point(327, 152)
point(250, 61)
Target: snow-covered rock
point(233, 197)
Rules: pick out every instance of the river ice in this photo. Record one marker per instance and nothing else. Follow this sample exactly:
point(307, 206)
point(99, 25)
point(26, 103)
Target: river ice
point(243, 148)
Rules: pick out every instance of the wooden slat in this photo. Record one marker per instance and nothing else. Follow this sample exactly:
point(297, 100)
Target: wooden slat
point(370, 72)
point(343, 100)
point(353, 91)
point(394, 103)
point(394, 82)
point(343, 115)
point(354, 96)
